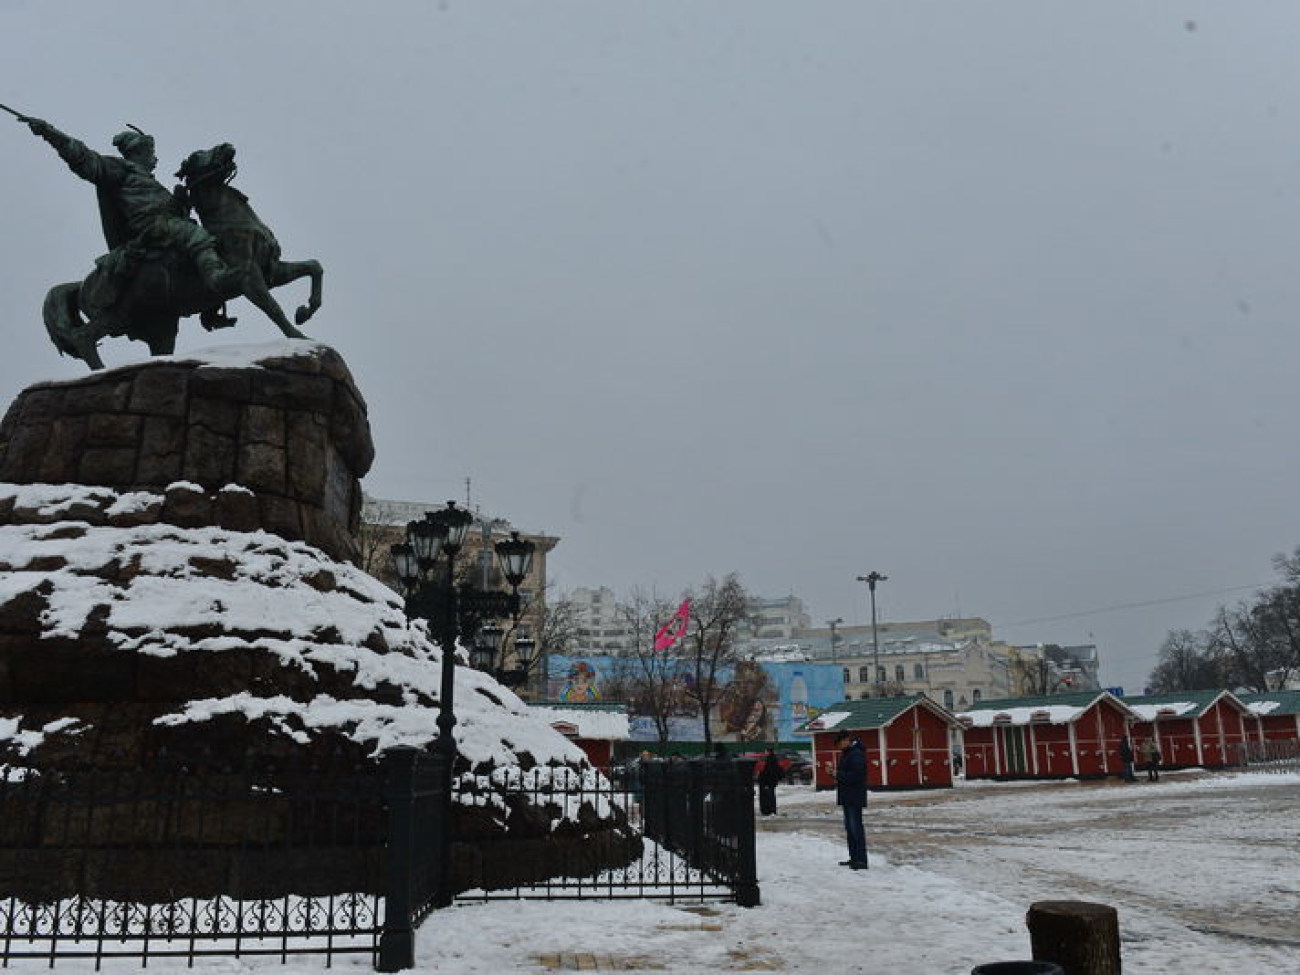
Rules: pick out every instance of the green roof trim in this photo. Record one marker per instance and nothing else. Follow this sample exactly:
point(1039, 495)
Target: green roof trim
point(1202, 699)
point(1288, 702)
point(876, 712)
point(1075, 699)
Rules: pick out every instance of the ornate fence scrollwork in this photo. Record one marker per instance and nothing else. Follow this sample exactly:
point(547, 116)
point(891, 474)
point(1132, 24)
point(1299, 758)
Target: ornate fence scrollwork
point(184, 864)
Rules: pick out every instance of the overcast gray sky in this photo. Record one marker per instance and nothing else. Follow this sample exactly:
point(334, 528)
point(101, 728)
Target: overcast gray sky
point(999, 299)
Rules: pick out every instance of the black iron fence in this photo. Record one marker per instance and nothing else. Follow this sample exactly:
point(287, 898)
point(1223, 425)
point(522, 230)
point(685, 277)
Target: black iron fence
point(178, 863)
point(181, 864)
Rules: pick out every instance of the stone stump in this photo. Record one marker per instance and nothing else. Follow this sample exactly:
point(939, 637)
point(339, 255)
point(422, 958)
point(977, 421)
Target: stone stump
point(1081, 937)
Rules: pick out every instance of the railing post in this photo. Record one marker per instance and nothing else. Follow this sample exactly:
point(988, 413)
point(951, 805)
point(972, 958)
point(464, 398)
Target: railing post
point(397, 938)
point(745, 883)
point(695, 782)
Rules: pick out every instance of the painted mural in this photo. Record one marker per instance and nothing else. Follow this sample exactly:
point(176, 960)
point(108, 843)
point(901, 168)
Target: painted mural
point(759, 702)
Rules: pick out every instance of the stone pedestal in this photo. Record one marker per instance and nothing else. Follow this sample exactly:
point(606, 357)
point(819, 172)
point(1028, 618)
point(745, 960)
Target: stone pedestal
point(175, 594)
point(279, 444)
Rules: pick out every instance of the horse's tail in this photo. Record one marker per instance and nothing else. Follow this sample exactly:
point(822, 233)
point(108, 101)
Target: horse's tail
point(68, 330)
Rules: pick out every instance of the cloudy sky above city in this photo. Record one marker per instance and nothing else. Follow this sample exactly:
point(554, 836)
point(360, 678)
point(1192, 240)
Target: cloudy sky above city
point(1000, 300)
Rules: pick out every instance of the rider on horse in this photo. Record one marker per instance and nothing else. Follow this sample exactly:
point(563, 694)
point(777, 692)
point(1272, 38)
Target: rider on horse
point(137, 211)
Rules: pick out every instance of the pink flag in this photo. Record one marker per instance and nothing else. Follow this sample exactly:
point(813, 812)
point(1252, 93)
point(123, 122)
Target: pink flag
point(675, 628)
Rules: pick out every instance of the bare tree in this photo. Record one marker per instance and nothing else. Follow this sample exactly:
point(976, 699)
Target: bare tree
point(1254, 645)
point(552, 624)
point(719, 609)
point(651, 679)
point(1187, 662)
point(1260, 642)
point(379, 531)
point(1028, 673)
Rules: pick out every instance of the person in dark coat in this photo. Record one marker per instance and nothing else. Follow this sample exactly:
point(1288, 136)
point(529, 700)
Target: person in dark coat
point(770, 775)
point(851, 797)
point(1126, 756)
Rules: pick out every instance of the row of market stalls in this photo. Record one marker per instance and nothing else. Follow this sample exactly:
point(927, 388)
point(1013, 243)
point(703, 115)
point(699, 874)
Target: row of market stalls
point(914, 743)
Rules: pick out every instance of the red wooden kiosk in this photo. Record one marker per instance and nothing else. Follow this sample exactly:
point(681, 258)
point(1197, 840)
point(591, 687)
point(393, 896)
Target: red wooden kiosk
point(1055, 736)
point(906, 739)
point(1276, 715)
point(1193, 728)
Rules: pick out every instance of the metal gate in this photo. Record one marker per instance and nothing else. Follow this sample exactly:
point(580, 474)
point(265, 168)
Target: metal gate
point(693, 823)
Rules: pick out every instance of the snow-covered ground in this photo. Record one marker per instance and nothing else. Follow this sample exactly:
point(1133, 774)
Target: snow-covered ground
point(1203, 870)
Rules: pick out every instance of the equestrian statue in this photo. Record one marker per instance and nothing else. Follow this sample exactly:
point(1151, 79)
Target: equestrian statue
point(161, 265)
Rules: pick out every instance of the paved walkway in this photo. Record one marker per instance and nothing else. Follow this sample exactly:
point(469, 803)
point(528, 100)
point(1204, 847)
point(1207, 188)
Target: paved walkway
point(582, 962)
point(588, 962)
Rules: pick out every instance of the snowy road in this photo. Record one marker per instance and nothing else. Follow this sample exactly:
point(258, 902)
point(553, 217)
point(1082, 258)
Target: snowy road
point(1216, 857)
point(1204, 872)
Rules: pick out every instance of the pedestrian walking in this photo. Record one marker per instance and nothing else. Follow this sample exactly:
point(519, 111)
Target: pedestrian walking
point(851, 796)
point(770, 775)
point(1151, 752)
point(1126, 756)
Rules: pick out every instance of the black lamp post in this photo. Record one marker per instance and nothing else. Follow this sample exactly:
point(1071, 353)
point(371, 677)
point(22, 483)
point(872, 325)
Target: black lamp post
point(871, 579)
point(456, 613)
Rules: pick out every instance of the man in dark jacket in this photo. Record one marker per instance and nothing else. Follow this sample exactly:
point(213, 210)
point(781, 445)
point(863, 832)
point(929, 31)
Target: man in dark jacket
point(770, 774)
point(851, 796)
point(1126, 756)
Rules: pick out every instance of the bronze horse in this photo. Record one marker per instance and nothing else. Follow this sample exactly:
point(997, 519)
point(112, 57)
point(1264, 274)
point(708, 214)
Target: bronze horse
point(161, 286)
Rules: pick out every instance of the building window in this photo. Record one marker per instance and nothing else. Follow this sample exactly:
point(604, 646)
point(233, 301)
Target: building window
point(880, 675)
point(975, 695)
point(918, 671)
point(848, 678)
point(899, 672)
point(947, 700)
point(864, 675)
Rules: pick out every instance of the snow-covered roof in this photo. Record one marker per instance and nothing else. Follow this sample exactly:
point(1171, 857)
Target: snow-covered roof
point(1050, 713)
point(595, 723)
point(1149, 712)
point(828, 720)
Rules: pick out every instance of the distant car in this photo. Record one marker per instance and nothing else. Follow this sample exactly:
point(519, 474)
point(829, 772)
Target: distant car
point(797, 766)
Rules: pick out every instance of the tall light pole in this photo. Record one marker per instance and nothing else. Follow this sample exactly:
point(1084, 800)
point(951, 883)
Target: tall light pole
point(871, 579)
point(835, 657)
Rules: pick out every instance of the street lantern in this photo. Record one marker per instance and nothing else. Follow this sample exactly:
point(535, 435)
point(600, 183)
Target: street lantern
point(452, 524)
point(405, 564)
point(425, 539)
point(516, 556)
point(488, 643)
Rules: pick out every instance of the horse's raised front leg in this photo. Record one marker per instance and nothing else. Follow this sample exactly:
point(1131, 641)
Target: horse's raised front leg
point(282, 272)
point(256, 291)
